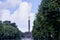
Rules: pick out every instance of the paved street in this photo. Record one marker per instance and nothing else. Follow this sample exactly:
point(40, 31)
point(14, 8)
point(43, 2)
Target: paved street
point(26, 39)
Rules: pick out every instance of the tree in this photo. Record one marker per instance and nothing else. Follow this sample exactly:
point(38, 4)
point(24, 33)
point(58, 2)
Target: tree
point(9, 23)
point(9, 32)
point(14, 25)
point(46, 23)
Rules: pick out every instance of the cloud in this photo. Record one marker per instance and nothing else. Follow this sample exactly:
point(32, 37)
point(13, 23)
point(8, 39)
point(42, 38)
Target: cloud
point(5, 14)
point(10, 4)
point(20, 16)
point(32, 18)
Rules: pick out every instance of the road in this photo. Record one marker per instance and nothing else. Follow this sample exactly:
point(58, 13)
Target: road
point(26, 39)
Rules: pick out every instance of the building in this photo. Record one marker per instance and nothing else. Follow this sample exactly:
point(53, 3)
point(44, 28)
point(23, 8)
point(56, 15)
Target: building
point(28, 35)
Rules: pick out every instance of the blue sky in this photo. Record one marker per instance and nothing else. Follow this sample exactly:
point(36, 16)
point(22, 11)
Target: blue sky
point(18, 11)
point(3, 0)
point(35, 4)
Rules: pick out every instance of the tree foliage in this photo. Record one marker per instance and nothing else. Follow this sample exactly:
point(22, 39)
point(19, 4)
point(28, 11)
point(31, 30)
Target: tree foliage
point(9, 31)
point(47, 22)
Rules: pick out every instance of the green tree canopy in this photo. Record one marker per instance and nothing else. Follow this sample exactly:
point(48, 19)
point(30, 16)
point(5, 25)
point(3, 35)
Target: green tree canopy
point(9, 32)
point(47, 20)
